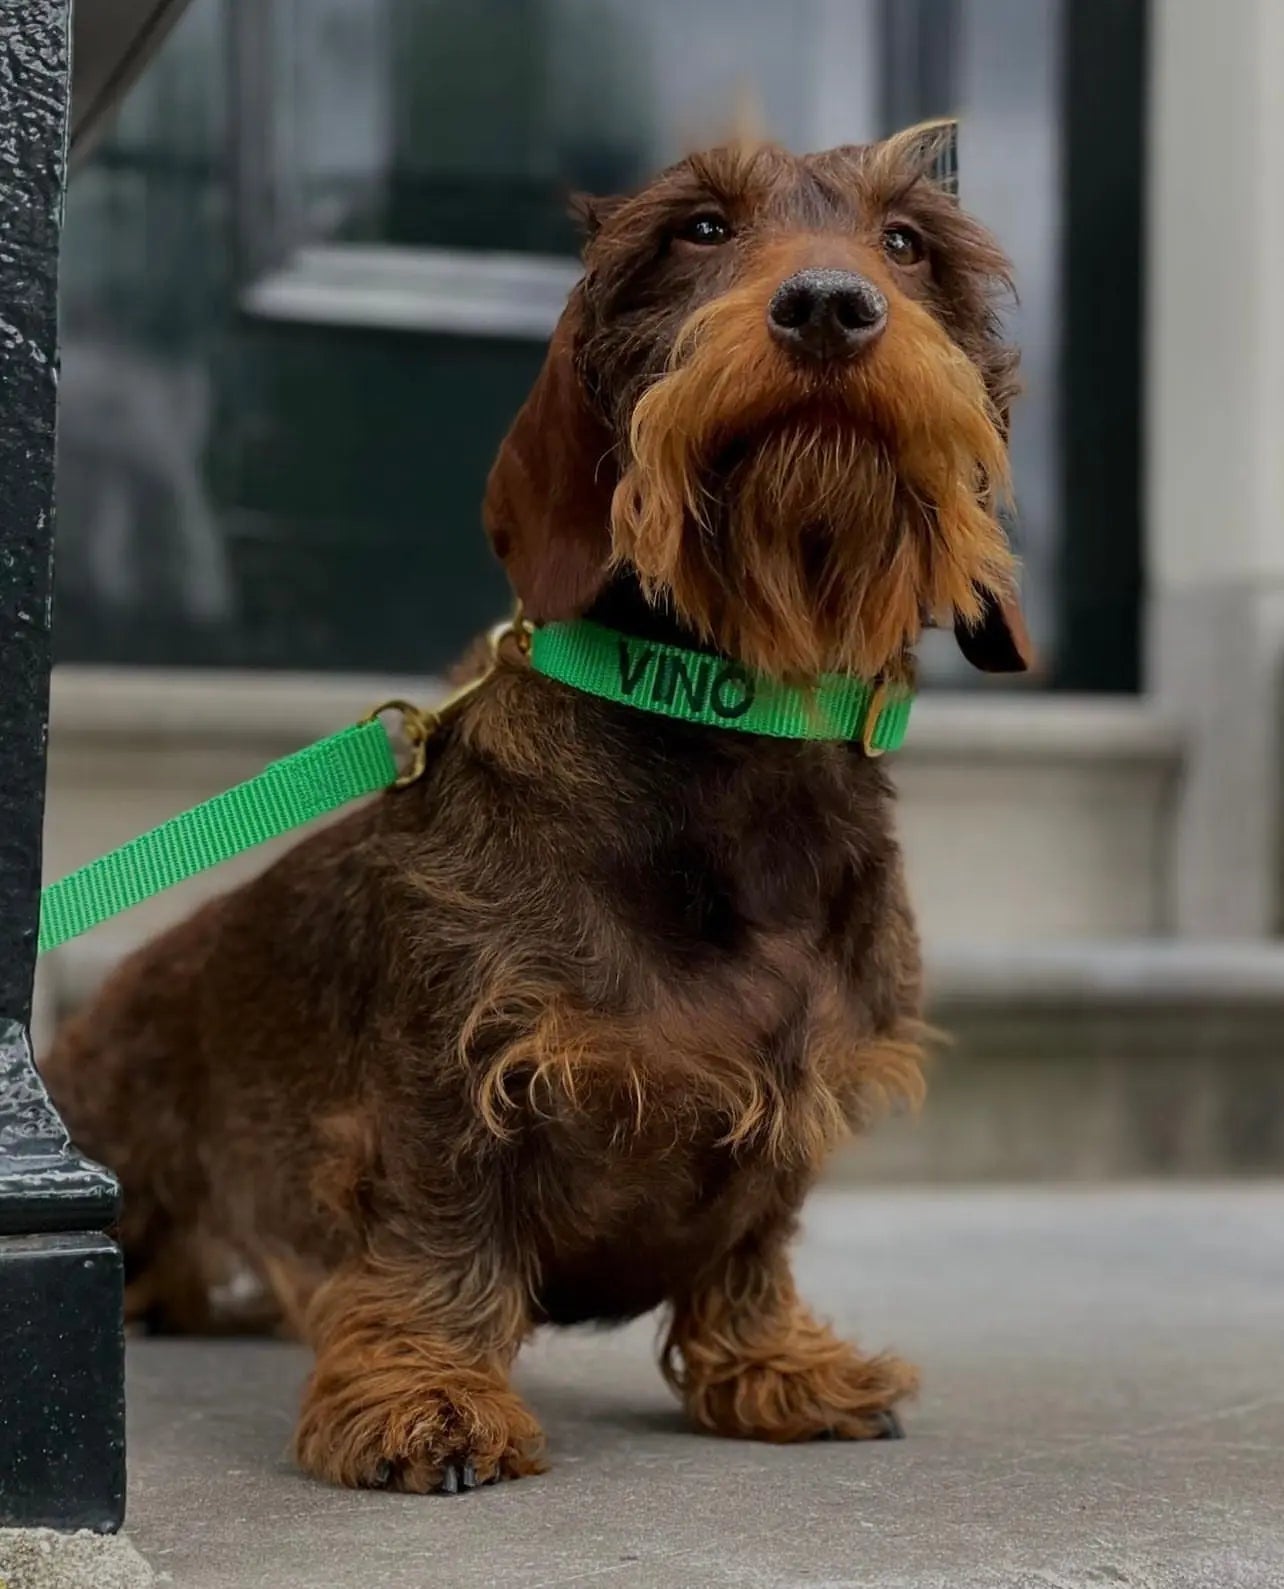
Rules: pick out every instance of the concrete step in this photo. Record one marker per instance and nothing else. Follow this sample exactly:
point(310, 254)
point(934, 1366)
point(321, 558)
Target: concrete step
point(1088, 1061)
point(1102, 1409)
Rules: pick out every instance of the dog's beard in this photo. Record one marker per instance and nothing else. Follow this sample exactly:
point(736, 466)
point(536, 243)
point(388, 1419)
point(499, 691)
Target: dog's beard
point(805, 521)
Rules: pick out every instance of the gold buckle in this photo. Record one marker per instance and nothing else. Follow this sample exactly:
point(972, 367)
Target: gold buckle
point(869, 727)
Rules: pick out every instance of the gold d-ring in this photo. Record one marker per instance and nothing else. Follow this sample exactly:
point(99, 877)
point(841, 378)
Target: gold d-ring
point(418, 727)
point(516, 629)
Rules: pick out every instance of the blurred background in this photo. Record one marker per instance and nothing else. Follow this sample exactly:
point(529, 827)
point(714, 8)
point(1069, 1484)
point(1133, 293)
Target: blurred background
point(309, 270)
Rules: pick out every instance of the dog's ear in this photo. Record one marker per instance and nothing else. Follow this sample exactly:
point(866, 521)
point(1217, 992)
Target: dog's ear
point(548, 499)
point(998, 642)
point(931, 150)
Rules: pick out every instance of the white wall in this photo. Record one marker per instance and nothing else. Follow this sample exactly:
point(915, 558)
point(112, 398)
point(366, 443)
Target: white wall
point(1215, 536)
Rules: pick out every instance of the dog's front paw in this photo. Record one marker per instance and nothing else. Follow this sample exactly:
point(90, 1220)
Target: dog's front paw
point(370, 1433)
point(814, 1394)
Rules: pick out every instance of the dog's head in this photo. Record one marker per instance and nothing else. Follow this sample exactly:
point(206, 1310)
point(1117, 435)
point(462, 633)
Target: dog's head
point(779, 395)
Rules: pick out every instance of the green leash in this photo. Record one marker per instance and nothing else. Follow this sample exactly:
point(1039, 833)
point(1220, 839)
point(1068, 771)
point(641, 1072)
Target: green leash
point(354, 762)
point(690, 686)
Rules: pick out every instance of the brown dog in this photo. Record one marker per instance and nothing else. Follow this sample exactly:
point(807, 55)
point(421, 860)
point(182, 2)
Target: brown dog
point(565, 1030)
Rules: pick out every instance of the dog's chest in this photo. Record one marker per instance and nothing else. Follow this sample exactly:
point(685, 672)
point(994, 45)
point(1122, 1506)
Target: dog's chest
point(686, 1069)
point(669, 1151)
point(719, 846)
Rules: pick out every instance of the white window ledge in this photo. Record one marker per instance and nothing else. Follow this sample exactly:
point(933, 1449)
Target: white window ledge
point(447, 291)
point(213, 706)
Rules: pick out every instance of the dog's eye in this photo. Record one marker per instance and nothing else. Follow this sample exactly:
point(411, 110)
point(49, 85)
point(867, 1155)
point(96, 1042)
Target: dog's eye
point(708, 227)
point(902, 244)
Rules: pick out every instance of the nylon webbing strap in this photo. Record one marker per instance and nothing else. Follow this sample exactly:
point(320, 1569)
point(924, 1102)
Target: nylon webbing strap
point(691, 686)
point(695, 687)
point(354, 762)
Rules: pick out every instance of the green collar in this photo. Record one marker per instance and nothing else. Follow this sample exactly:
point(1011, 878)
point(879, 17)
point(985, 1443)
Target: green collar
point(695, 687)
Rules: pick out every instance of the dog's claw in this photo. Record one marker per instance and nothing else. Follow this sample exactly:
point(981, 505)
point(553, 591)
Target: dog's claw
point(455, 1478)
point(887, 1424)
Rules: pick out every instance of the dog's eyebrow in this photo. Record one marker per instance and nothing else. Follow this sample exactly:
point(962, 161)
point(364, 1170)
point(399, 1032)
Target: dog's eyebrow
point(829, 183)
point(725, 173)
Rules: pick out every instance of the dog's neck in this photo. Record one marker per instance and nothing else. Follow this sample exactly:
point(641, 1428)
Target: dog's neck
point(623, 606)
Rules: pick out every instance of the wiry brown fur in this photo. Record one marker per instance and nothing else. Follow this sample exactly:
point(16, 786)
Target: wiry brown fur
point(566, 1029)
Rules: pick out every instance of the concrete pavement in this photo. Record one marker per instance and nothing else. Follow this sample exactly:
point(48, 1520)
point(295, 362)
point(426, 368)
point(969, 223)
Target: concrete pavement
point(1103, 1408)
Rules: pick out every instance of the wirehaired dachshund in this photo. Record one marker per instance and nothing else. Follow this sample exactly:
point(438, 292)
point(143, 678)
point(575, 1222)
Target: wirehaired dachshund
point(565, 1030)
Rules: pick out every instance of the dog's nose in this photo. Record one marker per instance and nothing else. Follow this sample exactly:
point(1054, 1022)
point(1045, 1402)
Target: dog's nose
point(826, 314)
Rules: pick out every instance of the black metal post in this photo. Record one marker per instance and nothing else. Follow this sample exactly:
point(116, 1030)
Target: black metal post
point(62, 1440)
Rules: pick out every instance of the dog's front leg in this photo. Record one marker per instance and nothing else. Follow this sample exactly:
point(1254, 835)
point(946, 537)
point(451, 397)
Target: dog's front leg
point(749, 1360)
point(410, 1390)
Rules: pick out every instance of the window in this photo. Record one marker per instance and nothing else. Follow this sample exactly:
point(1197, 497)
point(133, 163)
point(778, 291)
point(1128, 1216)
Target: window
point(309, 274)
point(435, 199)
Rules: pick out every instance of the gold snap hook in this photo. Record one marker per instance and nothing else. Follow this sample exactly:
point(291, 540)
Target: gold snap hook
point(417, 727)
